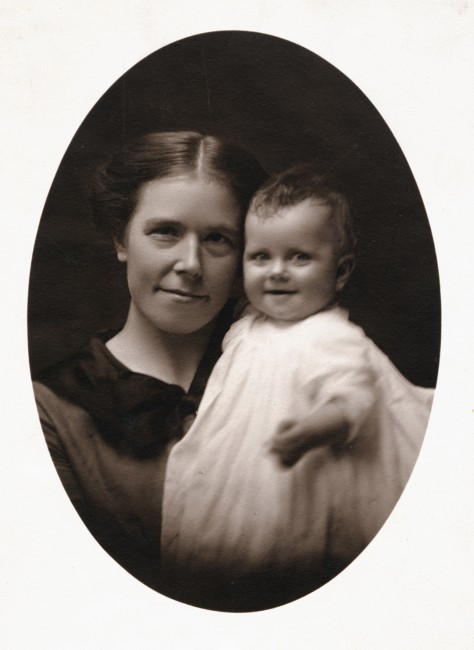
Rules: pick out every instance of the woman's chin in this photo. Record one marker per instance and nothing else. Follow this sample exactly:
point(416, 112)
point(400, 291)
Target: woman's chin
point(185, 326)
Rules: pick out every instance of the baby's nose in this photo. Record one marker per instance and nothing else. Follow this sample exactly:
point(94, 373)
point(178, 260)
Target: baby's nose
point(278, 270)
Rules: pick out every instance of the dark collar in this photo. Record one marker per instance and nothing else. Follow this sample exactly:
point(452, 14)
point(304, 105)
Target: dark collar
point(134, 413)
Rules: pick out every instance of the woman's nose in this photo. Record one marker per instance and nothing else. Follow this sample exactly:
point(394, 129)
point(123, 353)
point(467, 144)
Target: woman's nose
point(189, 257)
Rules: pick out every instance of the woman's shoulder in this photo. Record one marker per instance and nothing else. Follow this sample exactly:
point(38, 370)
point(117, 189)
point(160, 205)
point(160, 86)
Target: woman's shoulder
point(88, 361)
point(60, 388)
point(93, 376)
point(134, 413)
point(49, 400)
point(60, 417)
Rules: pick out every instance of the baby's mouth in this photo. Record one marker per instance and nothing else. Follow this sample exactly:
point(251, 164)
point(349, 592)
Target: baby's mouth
point(280, 292)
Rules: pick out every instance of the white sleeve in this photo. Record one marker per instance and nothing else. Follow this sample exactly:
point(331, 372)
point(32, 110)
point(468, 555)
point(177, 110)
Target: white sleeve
point(342, 373)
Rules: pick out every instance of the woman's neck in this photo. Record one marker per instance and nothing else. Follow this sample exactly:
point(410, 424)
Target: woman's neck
point(173, 358)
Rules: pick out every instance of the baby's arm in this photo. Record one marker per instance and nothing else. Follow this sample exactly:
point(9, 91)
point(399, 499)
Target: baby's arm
point(325, 425)
point(337, 391)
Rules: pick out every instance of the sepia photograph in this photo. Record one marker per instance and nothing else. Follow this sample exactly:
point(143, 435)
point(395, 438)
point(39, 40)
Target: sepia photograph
point(232, 333)
point(249, 184)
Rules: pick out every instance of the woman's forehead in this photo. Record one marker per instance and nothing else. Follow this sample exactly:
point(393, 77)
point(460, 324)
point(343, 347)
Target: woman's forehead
point(189, 197)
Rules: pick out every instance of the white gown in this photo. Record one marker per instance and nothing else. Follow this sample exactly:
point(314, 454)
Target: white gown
point(230, 507)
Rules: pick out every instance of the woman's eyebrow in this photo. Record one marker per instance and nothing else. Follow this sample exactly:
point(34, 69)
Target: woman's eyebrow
point(155, 221)
point(171, 221)
point(226, 230)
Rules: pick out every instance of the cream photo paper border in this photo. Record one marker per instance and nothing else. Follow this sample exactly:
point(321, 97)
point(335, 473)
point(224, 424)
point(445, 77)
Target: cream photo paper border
point(412, 588)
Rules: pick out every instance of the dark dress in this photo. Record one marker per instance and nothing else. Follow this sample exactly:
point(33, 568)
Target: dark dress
point(109, 431)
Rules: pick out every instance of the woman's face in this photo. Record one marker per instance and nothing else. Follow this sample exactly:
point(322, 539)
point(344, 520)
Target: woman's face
point(182, 246)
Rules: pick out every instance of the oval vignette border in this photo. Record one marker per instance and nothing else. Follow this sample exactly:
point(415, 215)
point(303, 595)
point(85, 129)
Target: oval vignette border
point(197, 83)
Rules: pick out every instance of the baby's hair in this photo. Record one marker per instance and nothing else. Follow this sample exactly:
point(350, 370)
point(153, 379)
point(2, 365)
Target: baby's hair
point(299, 184)
point(158, 155)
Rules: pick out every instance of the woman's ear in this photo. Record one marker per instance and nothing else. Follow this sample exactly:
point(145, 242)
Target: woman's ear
point(345, 266)
point(121, 250)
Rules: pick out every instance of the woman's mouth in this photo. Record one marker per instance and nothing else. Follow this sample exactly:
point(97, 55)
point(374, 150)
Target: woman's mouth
point(180, 294)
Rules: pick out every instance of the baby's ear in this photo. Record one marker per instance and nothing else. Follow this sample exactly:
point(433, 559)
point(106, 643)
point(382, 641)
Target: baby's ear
point(345, 266)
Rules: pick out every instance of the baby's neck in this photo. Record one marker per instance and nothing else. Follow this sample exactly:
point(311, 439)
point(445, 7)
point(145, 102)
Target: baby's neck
point(331, 305)
point(172, 358)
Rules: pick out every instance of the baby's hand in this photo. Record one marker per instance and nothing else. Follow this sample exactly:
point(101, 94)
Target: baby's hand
point(291, 441)
point(294, 438)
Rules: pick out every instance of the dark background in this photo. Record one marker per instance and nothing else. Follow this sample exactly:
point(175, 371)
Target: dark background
point(287, 105)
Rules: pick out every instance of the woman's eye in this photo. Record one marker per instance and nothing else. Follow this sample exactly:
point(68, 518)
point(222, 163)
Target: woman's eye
point(218, 238)
point(218, 243)
point(165, 232)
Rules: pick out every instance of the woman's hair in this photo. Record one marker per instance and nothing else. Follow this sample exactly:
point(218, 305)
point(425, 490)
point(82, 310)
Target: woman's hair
point(304, 182)
point(153, 156)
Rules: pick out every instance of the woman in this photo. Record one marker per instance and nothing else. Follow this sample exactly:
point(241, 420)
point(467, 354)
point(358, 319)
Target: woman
point(173, 204)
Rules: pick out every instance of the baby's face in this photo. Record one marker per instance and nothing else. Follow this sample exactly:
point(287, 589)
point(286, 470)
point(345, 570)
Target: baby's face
point(290, 261)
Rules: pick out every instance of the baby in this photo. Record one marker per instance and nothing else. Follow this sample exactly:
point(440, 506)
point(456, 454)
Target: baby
point(307, 433)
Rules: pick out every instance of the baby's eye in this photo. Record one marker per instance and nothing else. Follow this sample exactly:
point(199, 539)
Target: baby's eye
point(300, 258)
point(260, 257)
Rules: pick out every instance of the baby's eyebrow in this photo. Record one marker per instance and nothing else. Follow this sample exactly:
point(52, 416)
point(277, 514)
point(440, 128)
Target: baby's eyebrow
point(255, 249)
